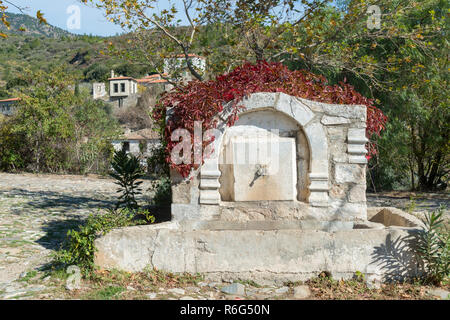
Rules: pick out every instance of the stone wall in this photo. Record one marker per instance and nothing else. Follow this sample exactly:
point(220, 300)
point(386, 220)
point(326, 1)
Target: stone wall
point(330, 155)
point(274, 255)
point(127, 102)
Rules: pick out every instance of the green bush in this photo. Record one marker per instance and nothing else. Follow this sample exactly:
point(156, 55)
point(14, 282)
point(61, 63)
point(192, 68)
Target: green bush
point(127, 170)
point(433, 247)
point(163, 193)
point(157, 163)
point(54, 130)
point(79, 249)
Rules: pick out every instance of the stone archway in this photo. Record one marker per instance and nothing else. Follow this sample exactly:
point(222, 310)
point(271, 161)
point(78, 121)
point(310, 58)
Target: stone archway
point(313, 130)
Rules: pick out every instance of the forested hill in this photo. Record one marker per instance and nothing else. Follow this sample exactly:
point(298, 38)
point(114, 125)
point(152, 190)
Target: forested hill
point(45, 46)
point(26, 25)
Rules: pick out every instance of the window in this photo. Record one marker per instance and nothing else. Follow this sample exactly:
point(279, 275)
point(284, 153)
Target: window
point(122, 87)
point(116, 87)
point(126, 146)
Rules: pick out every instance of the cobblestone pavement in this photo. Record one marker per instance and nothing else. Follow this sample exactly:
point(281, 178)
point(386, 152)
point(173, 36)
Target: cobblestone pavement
point(37, 210)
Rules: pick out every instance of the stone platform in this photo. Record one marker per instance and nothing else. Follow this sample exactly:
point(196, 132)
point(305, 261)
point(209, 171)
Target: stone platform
point(267, 252)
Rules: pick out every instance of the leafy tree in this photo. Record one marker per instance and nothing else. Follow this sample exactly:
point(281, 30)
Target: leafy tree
point(242, 81)
point(416, 100)
point(158, 28)
point(97, 72)
point(55, 130)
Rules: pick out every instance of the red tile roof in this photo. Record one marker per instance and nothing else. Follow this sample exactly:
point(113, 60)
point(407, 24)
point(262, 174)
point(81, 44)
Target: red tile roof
point(154, 78)
point(122, 78)
point(9, 100)
point(152, 81)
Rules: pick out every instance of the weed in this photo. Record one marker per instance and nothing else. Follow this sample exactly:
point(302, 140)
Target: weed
point(30, 275)
point(107, 293)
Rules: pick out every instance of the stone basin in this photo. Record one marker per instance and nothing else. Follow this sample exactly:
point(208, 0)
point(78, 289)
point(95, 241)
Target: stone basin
point(263, 251)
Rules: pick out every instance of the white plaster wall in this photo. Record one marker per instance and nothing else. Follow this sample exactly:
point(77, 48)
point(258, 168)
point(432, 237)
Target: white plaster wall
point(130, 88)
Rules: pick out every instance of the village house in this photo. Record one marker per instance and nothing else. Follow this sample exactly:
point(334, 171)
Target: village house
point(7, 106)
point(138, 143)
point(155, 81)
point(123, 91)
point(177, 66)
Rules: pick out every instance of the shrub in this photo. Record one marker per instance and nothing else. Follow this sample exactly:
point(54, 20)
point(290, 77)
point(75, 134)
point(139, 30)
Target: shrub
point(163, 193)
point(156, 163)
point(433, 247)
point(79, 249)
point(55, 130)
point(127, 170)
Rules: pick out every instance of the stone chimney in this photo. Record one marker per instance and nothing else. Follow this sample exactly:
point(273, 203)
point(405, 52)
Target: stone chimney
point(112, 74)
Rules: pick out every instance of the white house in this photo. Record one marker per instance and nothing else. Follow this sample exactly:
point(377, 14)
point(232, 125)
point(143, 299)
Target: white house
point(98, 90)
point(121, 87)
point(138, 143)
point(177, 65)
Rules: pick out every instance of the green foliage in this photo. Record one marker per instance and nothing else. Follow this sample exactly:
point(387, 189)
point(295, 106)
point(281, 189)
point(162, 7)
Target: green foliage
point(97, 72)
point(434, 247)
point(415, 96)
point(42, 48)
point(29, 275)
point(108, 293)
point(412, 205)
point(130, 69)
point(359, 276)
point(157, 163)
point(127, 170)
point(163, 192)
point(79, 249)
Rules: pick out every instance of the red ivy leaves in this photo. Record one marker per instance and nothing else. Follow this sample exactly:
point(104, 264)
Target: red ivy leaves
point(202, 101)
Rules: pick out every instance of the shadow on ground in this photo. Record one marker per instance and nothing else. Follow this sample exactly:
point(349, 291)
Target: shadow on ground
point(397, 258)
point(57, 202)
point(56, 231)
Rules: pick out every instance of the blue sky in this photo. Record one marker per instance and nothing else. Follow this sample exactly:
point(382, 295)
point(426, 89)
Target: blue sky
point(55, 11)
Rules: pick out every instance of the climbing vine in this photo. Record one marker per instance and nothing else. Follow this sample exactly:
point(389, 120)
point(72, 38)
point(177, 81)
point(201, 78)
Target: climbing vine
point(202, 101)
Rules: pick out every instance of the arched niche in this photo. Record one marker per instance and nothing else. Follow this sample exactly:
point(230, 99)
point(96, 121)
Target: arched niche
point(294, 112)
point(266, 122)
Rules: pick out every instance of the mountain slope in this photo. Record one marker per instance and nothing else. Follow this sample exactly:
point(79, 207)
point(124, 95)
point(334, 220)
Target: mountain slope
point(31, 27)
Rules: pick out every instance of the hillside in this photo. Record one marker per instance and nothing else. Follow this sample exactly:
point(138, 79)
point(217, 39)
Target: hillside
point(42, 47)
point(30, 26)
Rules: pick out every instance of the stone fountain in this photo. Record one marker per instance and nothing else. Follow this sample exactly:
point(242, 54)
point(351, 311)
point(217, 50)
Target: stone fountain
point(282, 197)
